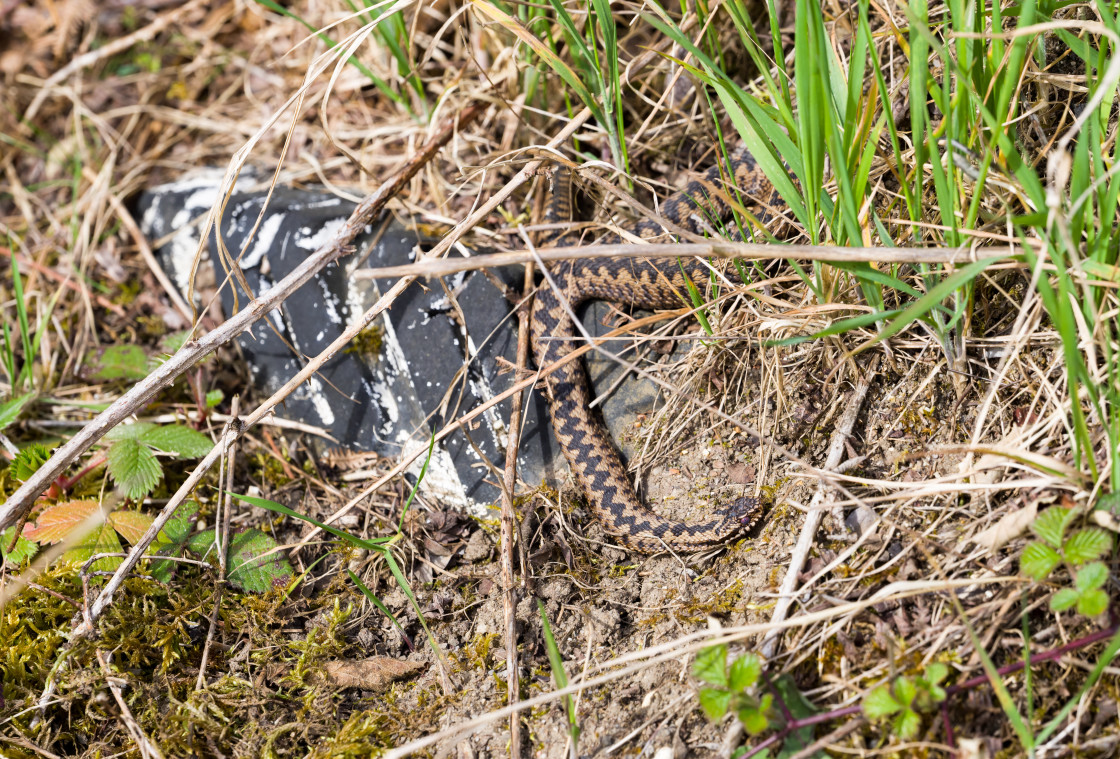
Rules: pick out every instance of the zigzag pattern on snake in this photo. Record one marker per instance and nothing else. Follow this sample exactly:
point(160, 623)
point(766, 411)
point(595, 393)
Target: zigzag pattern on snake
point(643, 283)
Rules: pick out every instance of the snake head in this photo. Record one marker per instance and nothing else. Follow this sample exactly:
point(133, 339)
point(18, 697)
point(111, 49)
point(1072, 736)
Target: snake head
point(747, 511)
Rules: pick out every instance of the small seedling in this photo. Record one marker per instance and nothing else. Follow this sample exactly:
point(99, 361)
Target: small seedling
point(132, 456)
point(905, 700)
point(732, 689)
point(1080, 551)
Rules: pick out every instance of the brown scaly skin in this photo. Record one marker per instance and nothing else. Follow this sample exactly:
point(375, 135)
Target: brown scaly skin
point(643, 283)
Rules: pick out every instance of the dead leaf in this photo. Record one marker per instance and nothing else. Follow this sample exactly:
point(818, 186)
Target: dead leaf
point(1009, 526)
point(370, 674)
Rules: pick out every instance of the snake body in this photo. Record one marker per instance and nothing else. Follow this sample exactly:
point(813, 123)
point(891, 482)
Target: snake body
point(642, 283)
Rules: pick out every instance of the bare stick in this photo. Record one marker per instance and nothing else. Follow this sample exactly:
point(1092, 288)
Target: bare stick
point(429, 267)
point(509, 520)
point(816, 511)
point(195, 350)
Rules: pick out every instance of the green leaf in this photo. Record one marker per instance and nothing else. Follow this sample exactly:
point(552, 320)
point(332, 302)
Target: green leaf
point(1064, 599)
point(935, 673)
point(23, 550)
point(880, 703)
point(754, 718)
point(1091, 576)
point(12, 408)
point(28, 461)
point(134, 468)
point(715, 702)
point(214, 397)
point(745, 672)
point(907, 724)
point(202, 543)
point(904, 691)
point(711, 665)
point(172, 539)
point(102, 540)
point(1039, 560)
point(1051, 524)
point(181, 441)
point(1092, 603)
point(1087, 545)
point(255, 564)
point(124, 362)
point(133, 431)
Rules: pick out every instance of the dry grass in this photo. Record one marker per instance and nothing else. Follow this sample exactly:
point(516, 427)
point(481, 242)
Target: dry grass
point(951, 448)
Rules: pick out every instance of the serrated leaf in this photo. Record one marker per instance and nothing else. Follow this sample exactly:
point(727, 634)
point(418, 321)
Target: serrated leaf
point(134, 468)
point(1038, 560)
point(28, 461)
point(1091, 576)
point(1087, 545)
point(753, 719)
point(711, 665)
point(255, 565)
point(23, 550)
point(1064, 599)
point(935, 673)
point(1092, 603)
point(745, 672)
point(128, 362)
point(172, 539)
point(907, 724)
point(715, 702)
point(880, 703)
point(55, 523)
point(904, 691)
point(181, 441)
point(12, 408)
point(1052, 523)
point(102, 540)
point(202, 543)
point(178, 527)
point(131, 524)
point(133, 431)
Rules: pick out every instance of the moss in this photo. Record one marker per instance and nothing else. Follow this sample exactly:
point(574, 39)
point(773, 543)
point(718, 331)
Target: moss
point(367, 343)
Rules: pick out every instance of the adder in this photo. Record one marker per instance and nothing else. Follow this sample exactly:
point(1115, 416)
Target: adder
point(643, 283)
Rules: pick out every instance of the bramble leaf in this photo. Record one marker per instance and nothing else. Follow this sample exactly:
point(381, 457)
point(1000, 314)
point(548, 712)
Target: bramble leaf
point(1064, 599)
point(134, 468)
point(57, 522)
point(1038, 560)
point(23, 550)
point(1092, 602)
point(745, 672)
point(181, 441)
point(880, 703)
point(715, 702)
point(255, 564)
point(127, 362)
point(711, 665)
point(1051, 524)
point(1087, 545)
point(131, 524)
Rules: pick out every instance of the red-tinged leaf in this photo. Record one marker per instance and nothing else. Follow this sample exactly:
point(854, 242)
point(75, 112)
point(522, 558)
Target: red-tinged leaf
point(56, 522)
point(131, 524)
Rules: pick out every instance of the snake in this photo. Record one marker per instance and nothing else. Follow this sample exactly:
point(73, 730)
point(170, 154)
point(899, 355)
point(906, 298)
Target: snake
point(642, 283)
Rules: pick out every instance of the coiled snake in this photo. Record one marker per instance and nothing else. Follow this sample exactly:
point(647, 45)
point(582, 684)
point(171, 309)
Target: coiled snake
point(643, 283)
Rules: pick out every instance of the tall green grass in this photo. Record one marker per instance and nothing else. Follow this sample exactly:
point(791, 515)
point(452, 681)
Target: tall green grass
point(816, 129)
